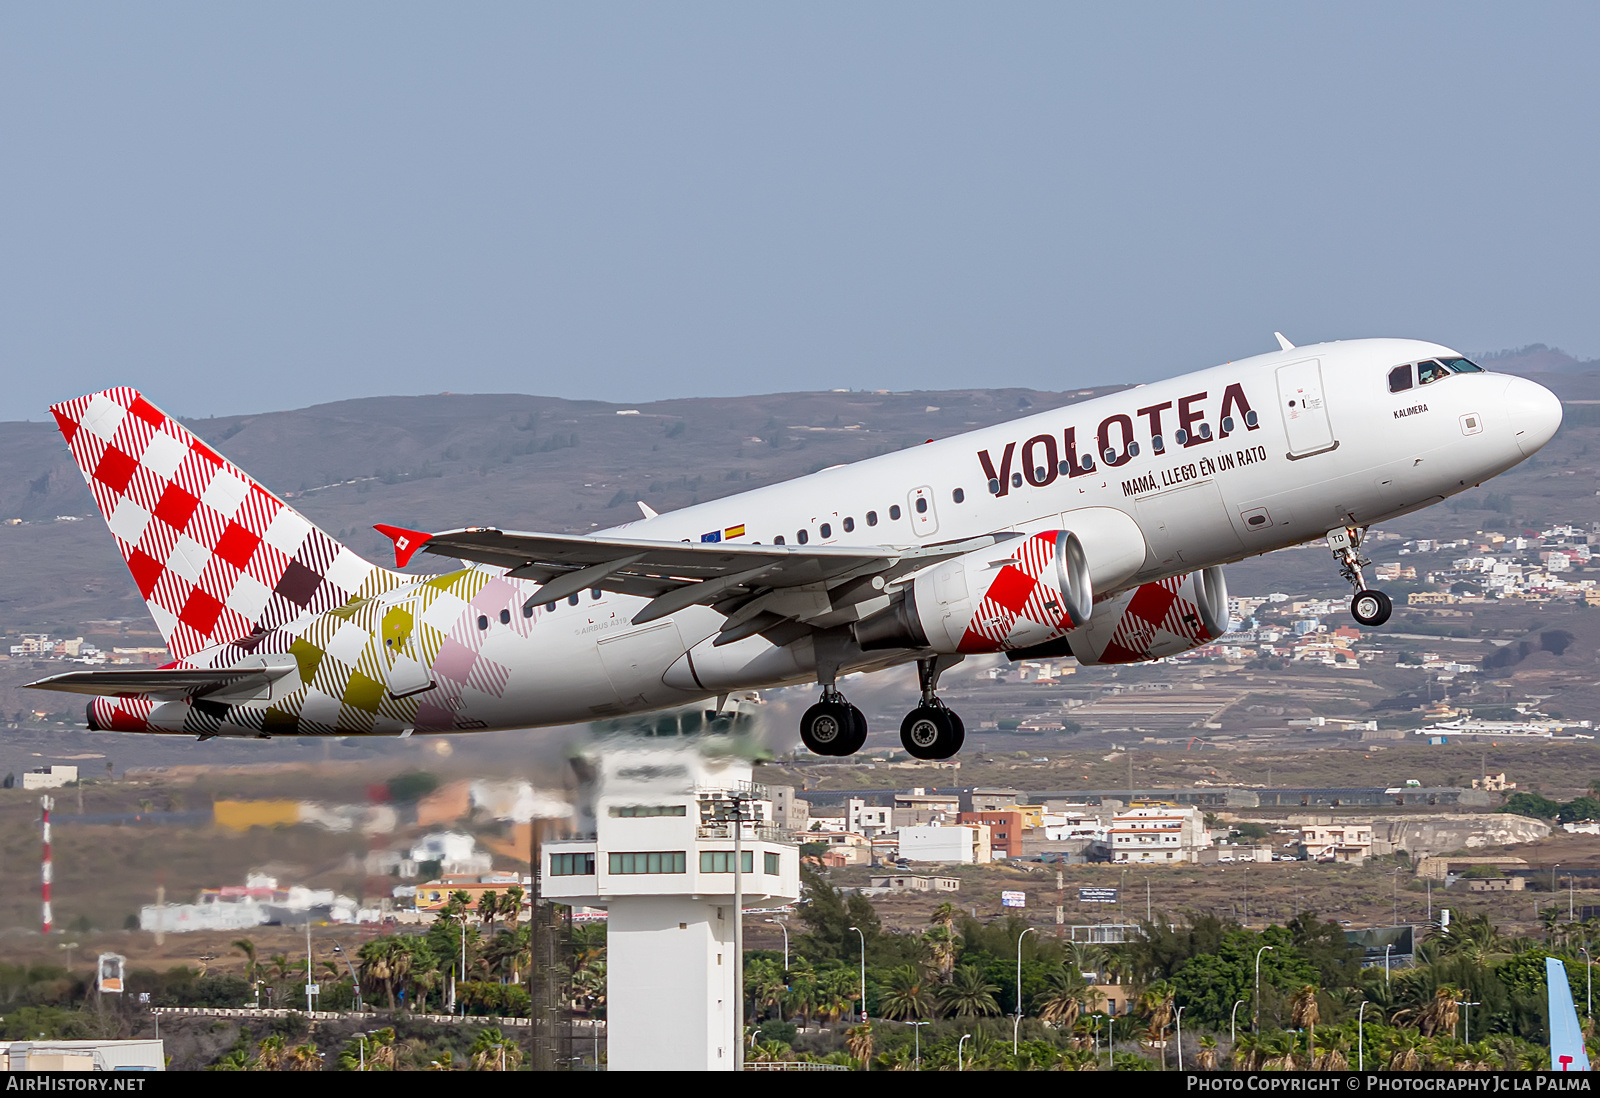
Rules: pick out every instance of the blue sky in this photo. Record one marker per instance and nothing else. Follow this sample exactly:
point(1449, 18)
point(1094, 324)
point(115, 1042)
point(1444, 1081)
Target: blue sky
point(248, 207)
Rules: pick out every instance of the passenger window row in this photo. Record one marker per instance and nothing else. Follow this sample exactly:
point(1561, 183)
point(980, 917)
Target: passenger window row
point(848, 523)
point(527, 609)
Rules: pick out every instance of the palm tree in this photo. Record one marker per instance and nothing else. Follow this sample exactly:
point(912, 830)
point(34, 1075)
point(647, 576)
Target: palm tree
point(1208, 1055)
point(1078, 1059)
point(969, 994)
point(1404, 1054)
point(803, 990)
point(906, 994)
point(1157, 1004)
point(1247, 1052)
point(1303, 1014)
point(1278, 1051)
point(1332, 1057)
point(303, 1058)
point(248, 948)
point(858, 1039)
point(1441, 1013)
point(269, 1055)
point(1063, 997)
point(837, 990)
point(511, 905)
point(941, 943)
point(493, 1051)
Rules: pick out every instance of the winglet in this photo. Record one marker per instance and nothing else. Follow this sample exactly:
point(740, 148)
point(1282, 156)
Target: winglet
point(406, 542)
point(646, 509)
point(1283, 344)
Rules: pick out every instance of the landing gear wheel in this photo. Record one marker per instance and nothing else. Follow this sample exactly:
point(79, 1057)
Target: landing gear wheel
point(931, 732)
point(826, 727)
point(857, 737)
point(1371, 608)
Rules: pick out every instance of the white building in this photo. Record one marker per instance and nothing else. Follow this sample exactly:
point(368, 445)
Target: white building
point(1158, 833)
point(456, 853)
point(49, 777)
point(958, 844)
point(662, 863)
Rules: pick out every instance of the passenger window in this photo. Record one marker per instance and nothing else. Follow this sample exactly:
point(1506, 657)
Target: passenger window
point(825, 531)
point(527, 609)
point(849, 525)
point(922, 505)
point(505, 617)
point(801, 536)
point(549, 608)
point(1399, 379)
point(1430, 371)
point(779, 540)
point(959, 495)
point(572, 600)
point(594, 593)
point(1016, 480)
point(872, 518)
point(483, 621)
point(894, 512)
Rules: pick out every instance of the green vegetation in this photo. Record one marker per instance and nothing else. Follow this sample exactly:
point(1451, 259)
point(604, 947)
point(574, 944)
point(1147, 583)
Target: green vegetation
point(413, 785)
point(961, 977)
point(1532, 804)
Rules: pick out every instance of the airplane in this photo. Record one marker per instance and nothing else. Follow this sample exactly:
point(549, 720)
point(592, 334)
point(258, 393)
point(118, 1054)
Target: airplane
point(1097, 530)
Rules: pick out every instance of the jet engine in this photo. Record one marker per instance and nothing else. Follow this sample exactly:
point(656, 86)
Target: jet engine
point(1155, 620)
point(1012, 595)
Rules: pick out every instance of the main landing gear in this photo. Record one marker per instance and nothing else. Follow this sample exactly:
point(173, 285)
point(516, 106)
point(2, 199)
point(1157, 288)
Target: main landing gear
point(931, 731)
point(1369, 607)
point(833, 726)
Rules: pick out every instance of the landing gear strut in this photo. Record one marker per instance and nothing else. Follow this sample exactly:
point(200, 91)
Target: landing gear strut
point(833, 726)
point(1369, 607)
point(931, 730)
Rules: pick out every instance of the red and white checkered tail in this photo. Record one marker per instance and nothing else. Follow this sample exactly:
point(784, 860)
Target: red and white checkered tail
point(215, 555)
point(1155, 620)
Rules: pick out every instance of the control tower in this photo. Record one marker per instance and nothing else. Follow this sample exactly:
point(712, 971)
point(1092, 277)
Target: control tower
point(661, 860)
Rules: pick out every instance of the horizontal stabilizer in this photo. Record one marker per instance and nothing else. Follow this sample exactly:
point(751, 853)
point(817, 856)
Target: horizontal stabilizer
point(166, 684)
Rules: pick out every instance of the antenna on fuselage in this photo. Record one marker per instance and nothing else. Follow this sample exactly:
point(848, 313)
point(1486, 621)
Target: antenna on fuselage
point(1283, 344)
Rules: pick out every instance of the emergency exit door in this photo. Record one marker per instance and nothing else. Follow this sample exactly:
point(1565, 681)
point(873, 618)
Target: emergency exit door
point(1304, 409)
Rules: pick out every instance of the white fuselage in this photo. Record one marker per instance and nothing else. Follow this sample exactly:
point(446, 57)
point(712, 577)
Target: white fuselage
point(1276, 452)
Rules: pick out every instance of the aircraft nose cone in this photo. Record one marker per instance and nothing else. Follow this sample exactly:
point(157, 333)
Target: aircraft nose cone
point(1535, 413)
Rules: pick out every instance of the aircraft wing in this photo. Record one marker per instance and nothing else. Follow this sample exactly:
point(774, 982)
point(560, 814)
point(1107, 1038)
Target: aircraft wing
point(755, 586)
point(163, 684)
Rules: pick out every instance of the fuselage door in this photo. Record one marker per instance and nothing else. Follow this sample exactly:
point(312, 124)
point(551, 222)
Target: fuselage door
point(1304, 409)
point(406, 672)
point(924, 520)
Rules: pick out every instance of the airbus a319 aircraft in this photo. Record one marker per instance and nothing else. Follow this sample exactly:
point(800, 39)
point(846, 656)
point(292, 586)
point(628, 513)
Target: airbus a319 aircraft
point(1096, 530)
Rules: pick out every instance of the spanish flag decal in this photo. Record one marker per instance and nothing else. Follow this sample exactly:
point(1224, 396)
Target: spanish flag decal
point(734, 531)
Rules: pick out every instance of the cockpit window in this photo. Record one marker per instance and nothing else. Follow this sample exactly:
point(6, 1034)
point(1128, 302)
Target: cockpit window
point(1400, 378)
point(1430, 371)
point(1462, 366)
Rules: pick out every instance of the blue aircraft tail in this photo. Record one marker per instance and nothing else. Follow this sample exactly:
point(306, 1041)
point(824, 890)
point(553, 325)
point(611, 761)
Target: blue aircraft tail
point(1566, 1036)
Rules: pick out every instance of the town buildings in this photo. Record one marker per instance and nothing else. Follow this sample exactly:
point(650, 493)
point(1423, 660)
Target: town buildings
point(1162, 833)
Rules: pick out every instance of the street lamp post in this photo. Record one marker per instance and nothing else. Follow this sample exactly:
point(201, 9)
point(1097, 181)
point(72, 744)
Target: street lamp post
point(1588, 970)
point(1386, 950)
point(959, 1045)
point(1180, 1038)
point(863, 936)
point(362, 1037)
point(338, 951)
point(1468, 1019)
point(1361, 1037)
point(783, 926)
point(1233, 1023)
point(1255, 1008)
point(916, 1029)
point(1017, 1025)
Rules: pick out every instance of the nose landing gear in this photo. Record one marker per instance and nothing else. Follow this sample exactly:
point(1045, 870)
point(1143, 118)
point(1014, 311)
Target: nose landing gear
point(1369, 607)
point(931, 730)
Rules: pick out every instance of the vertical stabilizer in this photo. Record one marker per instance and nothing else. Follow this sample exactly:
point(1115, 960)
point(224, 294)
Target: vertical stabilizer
point(215, 555)
point(1566, 1036)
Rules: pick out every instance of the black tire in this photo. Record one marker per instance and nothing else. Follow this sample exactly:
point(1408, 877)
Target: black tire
point(1371, 608)
point(961, 731)
point(857, 737)
point(827, 728)
point(931, 732)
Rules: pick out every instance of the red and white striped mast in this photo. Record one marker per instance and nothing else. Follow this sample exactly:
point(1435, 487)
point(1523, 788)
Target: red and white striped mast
point(44, 866)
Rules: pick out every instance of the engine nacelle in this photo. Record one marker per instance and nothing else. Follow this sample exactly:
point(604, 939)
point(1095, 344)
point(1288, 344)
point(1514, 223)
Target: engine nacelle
point(1155, 620)
point(1011, 595)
